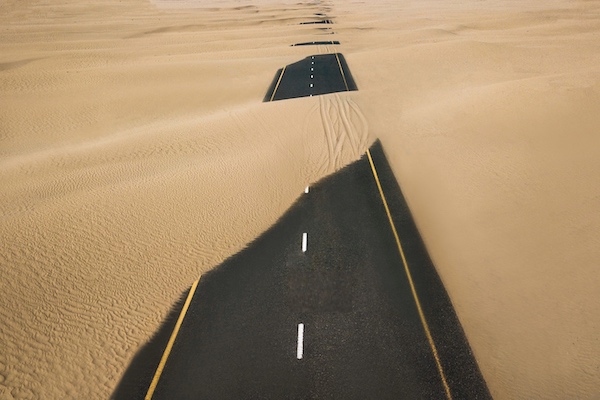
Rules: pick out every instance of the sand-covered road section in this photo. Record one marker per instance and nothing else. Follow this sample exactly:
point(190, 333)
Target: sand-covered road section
point(135, 154)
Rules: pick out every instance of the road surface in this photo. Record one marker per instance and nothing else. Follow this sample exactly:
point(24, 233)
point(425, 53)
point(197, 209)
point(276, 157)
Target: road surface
point(338, 300)
point(312, 76)
point(334, 42)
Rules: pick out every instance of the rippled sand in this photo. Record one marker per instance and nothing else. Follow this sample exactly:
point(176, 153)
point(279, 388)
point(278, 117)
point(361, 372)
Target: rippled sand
point(135, 154)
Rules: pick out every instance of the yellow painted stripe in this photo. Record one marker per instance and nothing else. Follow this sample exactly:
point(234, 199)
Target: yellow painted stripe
point(278, 81)
point(342, 71)
point(410, 281)
point(165, 355)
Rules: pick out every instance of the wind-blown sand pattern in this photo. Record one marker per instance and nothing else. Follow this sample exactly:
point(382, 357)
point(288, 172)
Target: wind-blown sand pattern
point(136, 154)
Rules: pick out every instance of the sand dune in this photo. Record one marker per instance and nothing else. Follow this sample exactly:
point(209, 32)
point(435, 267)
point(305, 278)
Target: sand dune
point(135, 154)
point(493, 135)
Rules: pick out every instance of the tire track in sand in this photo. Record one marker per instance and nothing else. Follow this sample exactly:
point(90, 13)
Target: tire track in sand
point(345, 131)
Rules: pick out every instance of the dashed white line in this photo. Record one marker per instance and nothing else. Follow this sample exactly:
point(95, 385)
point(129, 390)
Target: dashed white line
point(300, 347)
point(306, 188)
point(312, 69)
point(304, 235)
point(311, 85)
point(311, 76)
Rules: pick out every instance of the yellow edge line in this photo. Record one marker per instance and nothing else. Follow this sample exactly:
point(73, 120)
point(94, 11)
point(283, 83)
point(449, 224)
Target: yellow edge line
point(278, 81)
point(412, 285)
point(165, 355)
point(342, 71)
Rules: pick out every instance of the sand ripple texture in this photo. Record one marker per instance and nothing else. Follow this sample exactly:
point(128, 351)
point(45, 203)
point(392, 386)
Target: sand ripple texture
point(92, 255)
point(136, 153)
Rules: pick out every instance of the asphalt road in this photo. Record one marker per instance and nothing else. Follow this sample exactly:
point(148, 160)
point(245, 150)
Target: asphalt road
point(312, 76)
point(332, 264)
point(323, 21)
point(317, 43)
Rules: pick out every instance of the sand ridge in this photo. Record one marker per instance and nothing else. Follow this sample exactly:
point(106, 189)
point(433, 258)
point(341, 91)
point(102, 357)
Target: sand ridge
point(135, 154)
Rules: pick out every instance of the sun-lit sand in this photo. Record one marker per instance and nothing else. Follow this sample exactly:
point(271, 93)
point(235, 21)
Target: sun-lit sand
point(136, 154)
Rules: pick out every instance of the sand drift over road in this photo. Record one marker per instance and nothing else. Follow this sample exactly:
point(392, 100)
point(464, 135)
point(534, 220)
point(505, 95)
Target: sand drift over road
point(136, 154)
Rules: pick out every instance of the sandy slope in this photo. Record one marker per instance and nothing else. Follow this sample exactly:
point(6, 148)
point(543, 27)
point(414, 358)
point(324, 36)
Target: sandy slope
point(135, 153)
point(492, 126)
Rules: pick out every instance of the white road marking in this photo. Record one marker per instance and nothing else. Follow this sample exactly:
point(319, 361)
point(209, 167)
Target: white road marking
point(313, 57)
point(311, 76)
point(311, 85)
point(300, 347)
point(312, 62)
point(312, 69)
point(306, 188)
point(304, 242)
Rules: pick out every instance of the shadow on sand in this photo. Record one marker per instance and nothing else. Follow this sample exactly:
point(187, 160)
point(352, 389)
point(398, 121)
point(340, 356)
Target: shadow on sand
point(135, 381)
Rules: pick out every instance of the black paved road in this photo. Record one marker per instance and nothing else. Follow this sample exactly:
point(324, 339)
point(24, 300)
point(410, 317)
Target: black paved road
point(323, 21)
point(364, 337)
point(312, 76)
point(316, 43)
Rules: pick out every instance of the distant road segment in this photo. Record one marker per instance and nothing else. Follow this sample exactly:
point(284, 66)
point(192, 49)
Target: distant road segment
point(312, 76)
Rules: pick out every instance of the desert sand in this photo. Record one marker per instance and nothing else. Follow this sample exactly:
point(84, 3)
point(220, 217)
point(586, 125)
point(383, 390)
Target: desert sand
point(136, 154)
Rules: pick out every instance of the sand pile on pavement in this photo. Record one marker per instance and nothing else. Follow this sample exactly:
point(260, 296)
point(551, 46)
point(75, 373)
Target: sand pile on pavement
point(135, 154)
